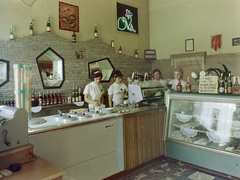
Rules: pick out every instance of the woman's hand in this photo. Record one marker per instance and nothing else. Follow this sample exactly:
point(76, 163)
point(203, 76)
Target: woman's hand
point(96, 104)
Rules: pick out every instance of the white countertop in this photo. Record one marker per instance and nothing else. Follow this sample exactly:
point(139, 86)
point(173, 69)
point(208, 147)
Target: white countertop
point(50, 123)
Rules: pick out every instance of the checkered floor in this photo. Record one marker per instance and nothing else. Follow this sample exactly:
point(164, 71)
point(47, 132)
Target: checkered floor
point(171, 170)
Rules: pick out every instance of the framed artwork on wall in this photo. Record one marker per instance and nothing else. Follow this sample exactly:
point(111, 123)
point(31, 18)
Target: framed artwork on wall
point(127, 18)
point(68, 17)
point(189, 44)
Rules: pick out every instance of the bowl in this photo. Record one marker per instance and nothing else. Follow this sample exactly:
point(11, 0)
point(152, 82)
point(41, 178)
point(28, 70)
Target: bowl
point(108, 110)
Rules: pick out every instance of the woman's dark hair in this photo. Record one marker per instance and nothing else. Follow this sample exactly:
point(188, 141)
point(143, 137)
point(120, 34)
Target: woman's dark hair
point(157, 70)
point(95, 73)
point(117, 73)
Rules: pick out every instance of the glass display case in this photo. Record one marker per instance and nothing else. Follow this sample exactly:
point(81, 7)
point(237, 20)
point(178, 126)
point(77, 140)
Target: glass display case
point(200, 127)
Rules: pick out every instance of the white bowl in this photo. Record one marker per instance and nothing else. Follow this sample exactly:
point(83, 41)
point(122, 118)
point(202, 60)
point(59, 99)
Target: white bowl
point(108, 110)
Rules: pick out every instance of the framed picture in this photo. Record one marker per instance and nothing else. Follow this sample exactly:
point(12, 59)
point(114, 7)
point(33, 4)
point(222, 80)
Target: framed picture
point(189, 45)
point(127, 18)
point(68, 17)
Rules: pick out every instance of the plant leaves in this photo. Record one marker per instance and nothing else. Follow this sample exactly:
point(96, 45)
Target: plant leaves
point(213, 69)
point(225, 67)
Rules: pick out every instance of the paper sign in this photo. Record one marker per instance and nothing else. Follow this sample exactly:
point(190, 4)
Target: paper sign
point(208, 84)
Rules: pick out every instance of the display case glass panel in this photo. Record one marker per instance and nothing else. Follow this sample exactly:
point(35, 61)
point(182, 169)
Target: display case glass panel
point(211, 121)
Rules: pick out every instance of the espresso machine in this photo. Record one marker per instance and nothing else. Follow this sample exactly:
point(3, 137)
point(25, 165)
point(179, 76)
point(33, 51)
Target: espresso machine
point(14, 143)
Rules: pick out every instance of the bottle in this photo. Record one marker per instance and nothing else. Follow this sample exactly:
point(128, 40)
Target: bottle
point(51, 75)
point(55, 97)
point(40, 99)
point(236, 85)
point(221, 88)
point(73, 95)
point(225, 87)
point(120, 50)
point(44, 99)
point(59, 97)
point(34, 100)
point(48, 25)
point(31, 29)
point(76, 95)
point(47, 99)
point(51, 98)
point(11, 33)
point(136, 54)
point(179, 86)
point(150, 75)
point(112, 42)
point(74, 37)
point(95, 31)
point(229, 85)
point(79, 94)
point(11, 102)
point(188, 86)
point(1, 102)
point(7, 102)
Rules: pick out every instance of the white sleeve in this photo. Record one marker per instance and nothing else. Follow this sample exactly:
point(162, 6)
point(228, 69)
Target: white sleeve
point(86, 90)
point(110, 90)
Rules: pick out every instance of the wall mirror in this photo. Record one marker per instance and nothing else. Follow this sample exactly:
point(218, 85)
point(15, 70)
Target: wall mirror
point(51, 69)
point(4, 72)
point(104, 65)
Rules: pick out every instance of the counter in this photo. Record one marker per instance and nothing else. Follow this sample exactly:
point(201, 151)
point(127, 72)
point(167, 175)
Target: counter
point(37, 169)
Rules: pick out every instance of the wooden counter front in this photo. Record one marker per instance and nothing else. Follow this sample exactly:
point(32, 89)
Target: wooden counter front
point(143, 135)
point(39, 169)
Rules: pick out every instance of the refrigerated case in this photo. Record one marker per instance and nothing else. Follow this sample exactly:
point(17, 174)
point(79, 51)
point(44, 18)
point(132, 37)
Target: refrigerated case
point(204, 130)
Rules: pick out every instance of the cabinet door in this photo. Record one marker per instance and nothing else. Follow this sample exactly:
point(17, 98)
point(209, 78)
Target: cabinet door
point(142, 139)
point(211, 124)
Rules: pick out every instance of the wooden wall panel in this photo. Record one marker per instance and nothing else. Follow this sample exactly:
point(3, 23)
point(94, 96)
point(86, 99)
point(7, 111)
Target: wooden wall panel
point(142, 138)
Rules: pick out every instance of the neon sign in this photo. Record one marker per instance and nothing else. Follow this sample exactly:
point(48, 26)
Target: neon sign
point(127, 18)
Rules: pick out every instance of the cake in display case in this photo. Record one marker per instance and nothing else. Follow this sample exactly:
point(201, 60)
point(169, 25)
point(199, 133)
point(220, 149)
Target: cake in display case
point(204, 129)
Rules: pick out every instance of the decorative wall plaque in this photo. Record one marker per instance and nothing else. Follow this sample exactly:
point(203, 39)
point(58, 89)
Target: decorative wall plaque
point(150, 54)
point(68, 17)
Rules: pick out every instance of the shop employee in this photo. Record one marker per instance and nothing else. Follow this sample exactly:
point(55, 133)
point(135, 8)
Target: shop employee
point(117, 90)
point(93, 92)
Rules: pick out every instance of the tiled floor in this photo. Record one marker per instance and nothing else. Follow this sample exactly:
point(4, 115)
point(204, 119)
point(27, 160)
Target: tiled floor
point(171, 170)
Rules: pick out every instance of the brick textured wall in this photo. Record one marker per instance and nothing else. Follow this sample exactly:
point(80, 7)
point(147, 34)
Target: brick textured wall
point(25, 50)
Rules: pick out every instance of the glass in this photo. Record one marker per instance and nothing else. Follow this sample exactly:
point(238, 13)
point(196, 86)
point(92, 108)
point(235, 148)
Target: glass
point(51, 69)
point(206, 123)
point(103, 65)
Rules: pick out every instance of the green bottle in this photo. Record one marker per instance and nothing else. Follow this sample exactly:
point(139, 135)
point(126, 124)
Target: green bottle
point(76, 95)
point(95, 31)
point(136, 54)
point(112, 42)
point(31, 29)
point(48, 25)
point(11, 33)
point(230, 89)
point(221, 85)
point(73, 95)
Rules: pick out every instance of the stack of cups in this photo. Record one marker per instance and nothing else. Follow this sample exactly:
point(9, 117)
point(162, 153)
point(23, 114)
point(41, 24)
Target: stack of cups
point(28, 92)
point(22, 82)
point(18, 83)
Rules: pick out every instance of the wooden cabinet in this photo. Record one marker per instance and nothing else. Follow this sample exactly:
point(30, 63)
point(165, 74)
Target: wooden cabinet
point(143, 134)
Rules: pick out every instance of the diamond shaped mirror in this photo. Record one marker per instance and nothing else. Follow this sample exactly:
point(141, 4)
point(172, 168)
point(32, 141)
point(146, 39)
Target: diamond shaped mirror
point(104, 65)
point(51, 69)
point(4, 72)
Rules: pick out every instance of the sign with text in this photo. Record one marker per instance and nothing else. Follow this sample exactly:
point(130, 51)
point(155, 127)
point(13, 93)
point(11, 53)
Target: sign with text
point(208, 84)
point(235, 41)
point(150, 54)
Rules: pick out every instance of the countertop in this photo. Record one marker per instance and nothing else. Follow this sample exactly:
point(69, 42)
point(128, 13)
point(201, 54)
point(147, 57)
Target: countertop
point(50, 124)
point(37, 169)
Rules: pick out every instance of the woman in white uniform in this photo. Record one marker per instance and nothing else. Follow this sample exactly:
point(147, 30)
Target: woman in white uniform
point(178, 73)
point(93, 92)
point(158, 77)
point(117, 90)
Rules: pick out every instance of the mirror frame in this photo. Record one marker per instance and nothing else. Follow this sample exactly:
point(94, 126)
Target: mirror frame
point(89, 72)
point(63, 79)
point(7, 75)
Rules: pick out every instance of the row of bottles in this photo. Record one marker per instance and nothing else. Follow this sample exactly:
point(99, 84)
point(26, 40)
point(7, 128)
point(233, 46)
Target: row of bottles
point(76, 95)
point(31, 29)
point(188, 86)
point(226, 86)
point(135, 52)
point(8, 102)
